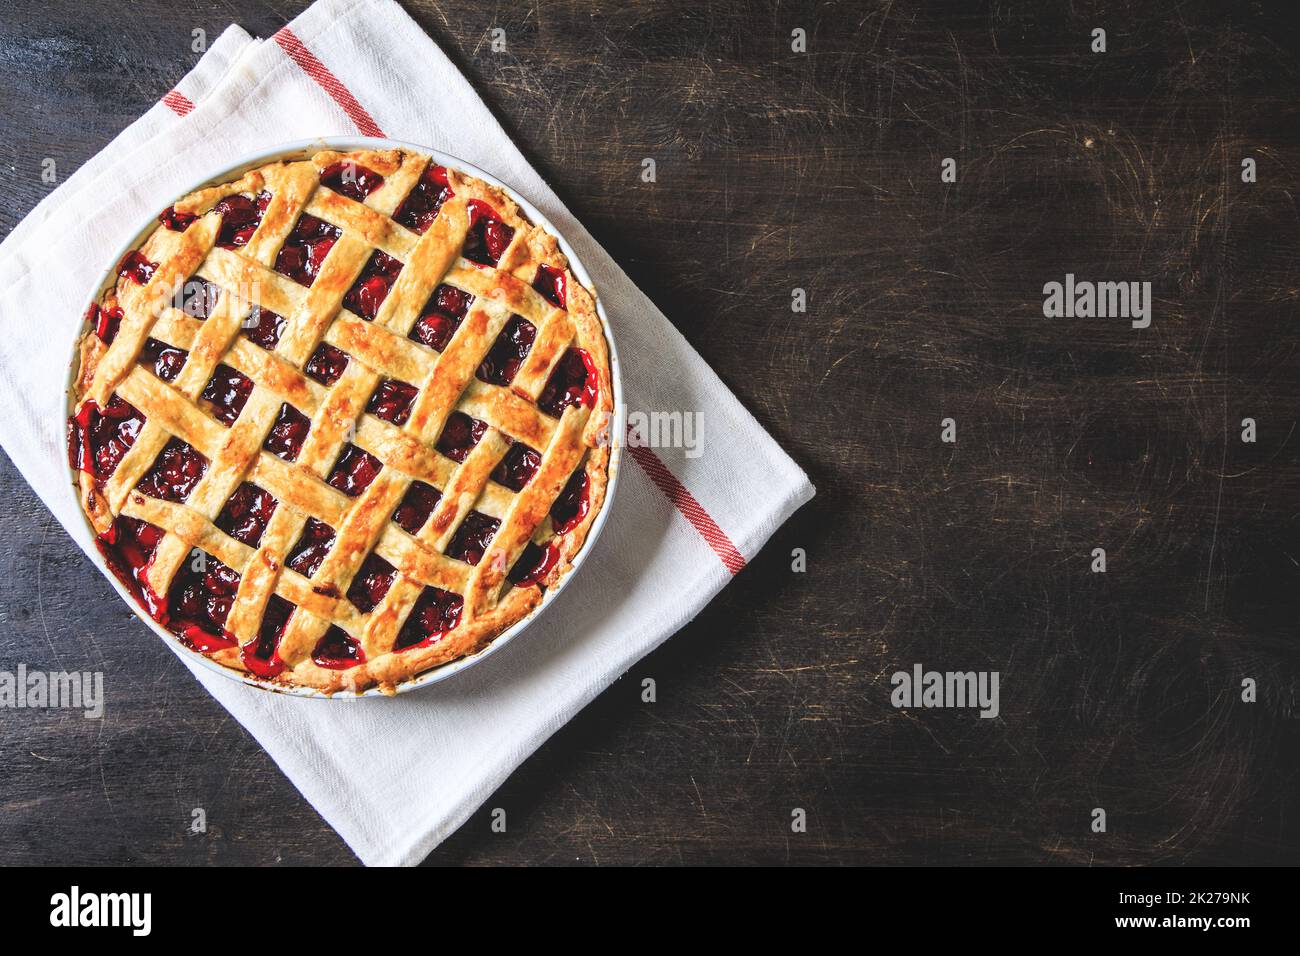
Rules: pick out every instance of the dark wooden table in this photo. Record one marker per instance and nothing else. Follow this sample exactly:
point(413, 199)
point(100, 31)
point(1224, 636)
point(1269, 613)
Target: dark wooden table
point(821, 170)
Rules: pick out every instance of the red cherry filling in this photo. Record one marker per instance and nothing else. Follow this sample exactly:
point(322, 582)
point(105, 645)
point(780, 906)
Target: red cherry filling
point(338, 650)
point(508, 352)
point(167, 360)
point(570, 507)
point(573, 382)
point(442, 315)
point(136, 267)
point(240, 217)
point(247, 513)
point(197, 298)
point(417, 504)
point(371, 288)
point(199, 602)
point(435, 613)
point(264, 328)
point(518, 466)
point(303, 252)
point(176, 221)
point(316, 540)
point(354, 471)
point(261, 654)
point(288, 433)
point(488, 236)
point(460, 435)
point(534, 564)
point(392, 401)
point(97, 439)
point(175, 472)
point(421, 205)
point(106, 322)
point(128, 549)
point(326, 364)
point(549, 281)
point(471, 540)
point(371, 583)
point(351, 179)
point(228, 392)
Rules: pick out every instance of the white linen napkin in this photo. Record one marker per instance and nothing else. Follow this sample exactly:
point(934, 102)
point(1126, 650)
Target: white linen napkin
point(396, 776)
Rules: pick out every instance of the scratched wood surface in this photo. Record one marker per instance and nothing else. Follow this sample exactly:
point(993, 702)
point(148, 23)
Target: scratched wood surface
point(820, 171)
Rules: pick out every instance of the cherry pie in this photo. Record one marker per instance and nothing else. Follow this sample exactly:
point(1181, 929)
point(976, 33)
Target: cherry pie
point(341, 421)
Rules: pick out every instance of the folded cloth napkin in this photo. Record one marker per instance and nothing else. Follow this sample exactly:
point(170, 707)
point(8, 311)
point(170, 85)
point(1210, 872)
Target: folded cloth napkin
point(396, 776)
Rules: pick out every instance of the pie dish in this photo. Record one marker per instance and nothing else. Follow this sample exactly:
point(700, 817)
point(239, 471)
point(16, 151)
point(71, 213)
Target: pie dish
point(343, 418)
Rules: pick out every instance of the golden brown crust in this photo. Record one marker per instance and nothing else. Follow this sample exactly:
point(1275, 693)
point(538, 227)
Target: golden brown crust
point(377, 349)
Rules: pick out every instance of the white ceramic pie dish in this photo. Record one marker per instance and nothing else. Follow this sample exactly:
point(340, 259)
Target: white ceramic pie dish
point(304, 149)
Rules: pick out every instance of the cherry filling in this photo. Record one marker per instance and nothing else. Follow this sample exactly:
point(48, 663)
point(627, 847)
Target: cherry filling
point(371, 583)
point(392, 401)
point(472, 538)
point(316, 541)
point(338, 650)
point(128, 548)
point(199, 603)
point(534, 564)
point(488, 236)
point(421, 205)
point(303, 252)
point(572, 504)
point(240, 217)
point(199, 600)
point(442, 315)
point(176, 221)
point(549, 281)
point(288, 433)
point(264, 328)
point(326, 364)
point(508, 352)
point(573, 382)
point(167, 360)
point(197, 298)
point(518, 466)
point(371, 288)
point(228, 393)
point(261, 655)
point(175, 472)
point(247, 513)
point(97, 439)
point(460, 435)
point(354, 471)
point(351, 179)
point(417, 504)
point(106, 322)
point(136, 267)
point(435, 613)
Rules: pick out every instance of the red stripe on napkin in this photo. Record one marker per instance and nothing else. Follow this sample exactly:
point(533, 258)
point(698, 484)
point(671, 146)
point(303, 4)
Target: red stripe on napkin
point(178, 103)
point(328, 82)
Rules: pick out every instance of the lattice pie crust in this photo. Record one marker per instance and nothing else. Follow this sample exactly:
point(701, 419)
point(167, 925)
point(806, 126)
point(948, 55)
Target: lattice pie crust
point(342, 420)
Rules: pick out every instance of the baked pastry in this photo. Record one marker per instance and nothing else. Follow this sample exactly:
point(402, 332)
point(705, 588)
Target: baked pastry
point(341, 420)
